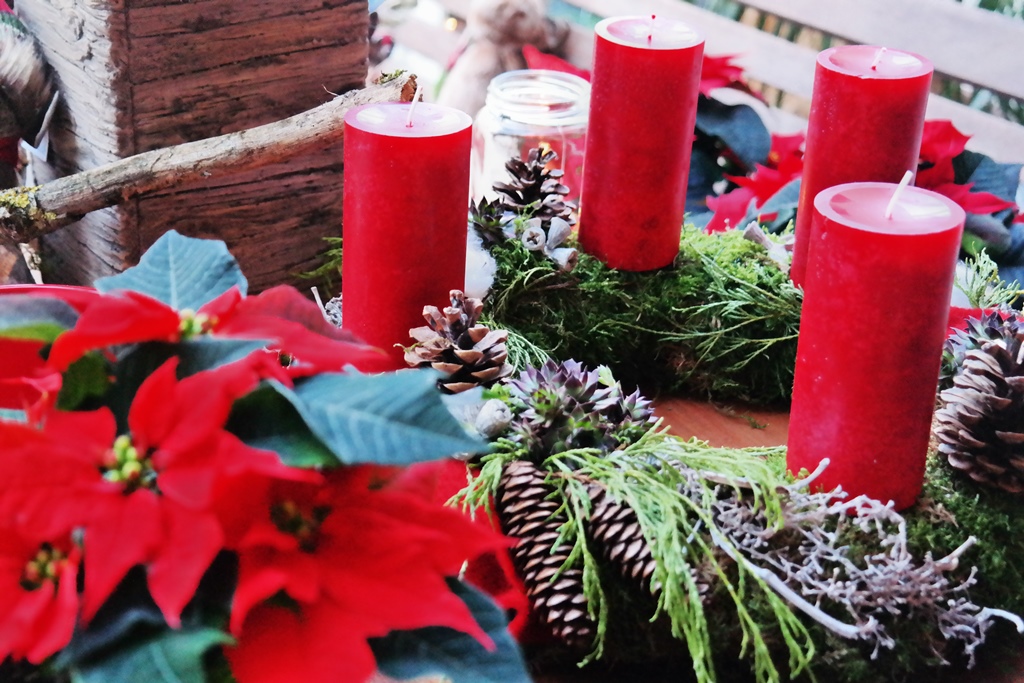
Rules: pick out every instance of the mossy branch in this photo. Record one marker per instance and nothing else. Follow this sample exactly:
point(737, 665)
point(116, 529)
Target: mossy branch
point(29, 213)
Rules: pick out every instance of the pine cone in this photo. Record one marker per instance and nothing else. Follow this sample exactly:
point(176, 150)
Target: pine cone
point(616, 531)
point(990, 327)
point(980, 422)
point(528, 514)
point(534, 189)
point(452, 342)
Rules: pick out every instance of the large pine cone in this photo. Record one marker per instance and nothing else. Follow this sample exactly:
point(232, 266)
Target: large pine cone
point(616, 531)
point(980, 422)
point(528, 514)
point(534, 189)
point(452, 343)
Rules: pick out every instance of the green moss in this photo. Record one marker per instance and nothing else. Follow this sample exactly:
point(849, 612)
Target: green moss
point(721, 321)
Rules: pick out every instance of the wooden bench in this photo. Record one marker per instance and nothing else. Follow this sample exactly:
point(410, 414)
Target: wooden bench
point(967, 45)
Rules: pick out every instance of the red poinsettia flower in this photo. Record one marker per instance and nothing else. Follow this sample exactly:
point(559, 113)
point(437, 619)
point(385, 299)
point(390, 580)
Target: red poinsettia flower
point(941, 142)
point(535, 59)
point(142, 497)
point(354, 559)
point(284, 318)
point(785, 163)
point(720, 71)
point(38, 594)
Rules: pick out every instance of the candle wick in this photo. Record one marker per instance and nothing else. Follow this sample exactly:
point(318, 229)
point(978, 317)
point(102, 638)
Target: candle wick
point(650, 32)
point(878, 58)
point(896, 194)
point(412, 106)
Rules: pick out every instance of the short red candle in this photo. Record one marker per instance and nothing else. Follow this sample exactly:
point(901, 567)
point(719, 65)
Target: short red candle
point(865, 124)
point(405, 204)
point(875, 312)
point(643, 106)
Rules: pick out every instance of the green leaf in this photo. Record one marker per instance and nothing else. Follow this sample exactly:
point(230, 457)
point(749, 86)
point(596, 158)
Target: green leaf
point(388, 419)
point(183, 272)
point(450, 653)
point(34, 317)
point(87, 377)
point(738, 126)
point(286, 434)
point(170, 657)
point(208, 353)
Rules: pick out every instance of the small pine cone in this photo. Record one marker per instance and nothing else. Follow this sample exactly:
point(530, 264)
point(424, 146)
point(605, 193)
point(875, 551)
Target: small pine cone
point(529, 515)
point(535, 189)
point(616, 531)
point(980, 422)
point(468, 354)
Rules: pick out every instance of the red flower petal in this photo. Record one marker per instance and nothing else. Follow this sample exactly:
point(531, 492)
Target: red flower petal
point(320, 645)
point(190, 543)
point(121, 318)
point(729, 208)
point(297, 327)
point(122, 534)
point(535, 59)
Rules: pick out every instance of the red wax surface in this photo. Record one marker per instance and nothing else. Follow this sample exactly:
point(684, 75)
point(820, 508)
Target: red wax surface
point(405, 204)
point(874, 318)
point(643, 105)
point(865, 124)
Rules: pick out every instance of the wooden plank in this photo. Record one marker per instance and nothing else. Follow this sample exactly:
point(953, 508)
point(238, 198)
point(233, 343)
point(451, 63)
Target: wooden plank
point(967, 43)
point(302, 196)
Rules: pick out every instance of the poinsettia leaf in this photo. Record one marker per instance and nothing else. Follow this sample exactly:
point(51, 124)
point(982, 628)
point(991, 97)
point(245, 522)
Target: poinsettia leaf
point(700, 183)
point(990, 229)
point(34, 317)
point(169, 657)
point(286, 434)
point(738, 126)
point(12, 415)
point(183, 272)
point(87, 377)
point(208, 353)
point(388, 419)
point(452, 654)
point(987, 175)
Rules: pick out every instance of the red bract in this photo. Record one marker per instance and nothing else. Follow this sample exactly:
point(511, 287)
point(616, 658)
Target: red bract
point(356, 560)
point(282, 317)
point(940, 143)
point(721, 72)
point(38, 594)
point(142, 497)
point(785, 163)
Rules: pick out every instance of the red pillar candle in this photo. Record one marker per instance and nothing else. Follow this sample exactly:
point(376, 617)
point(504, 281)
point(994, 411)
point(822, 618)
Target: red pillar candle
point(643, 106)
point(865, 124)
point(875, 311)
point(406, 197)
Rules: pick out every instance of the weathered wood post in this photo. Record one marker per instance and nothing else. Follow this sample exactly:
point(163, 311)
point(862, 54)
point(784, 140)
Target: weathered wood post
point(138, 75)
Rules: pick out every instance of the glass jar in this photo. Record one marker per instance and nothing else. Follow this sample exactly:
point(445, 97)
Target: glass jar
point(526, 109)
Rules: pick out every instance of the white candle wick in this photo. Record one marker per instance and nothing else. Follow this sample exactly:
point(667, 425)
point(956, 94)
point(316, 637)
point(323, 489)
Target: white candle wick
point(878, 58)
point(412, 105)
point(650, 30)
point(897, 192)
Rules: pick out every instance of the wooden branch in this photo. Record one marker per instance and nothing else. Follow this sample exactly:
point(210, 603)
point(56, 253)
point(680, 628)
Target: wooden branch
point(30, 212)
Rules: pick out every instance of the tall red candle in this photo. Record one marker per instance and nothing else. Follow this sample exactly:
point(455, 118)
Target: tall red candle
point(406, 197)
point(643, 106)
point(875, 311)
point(865, 124)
